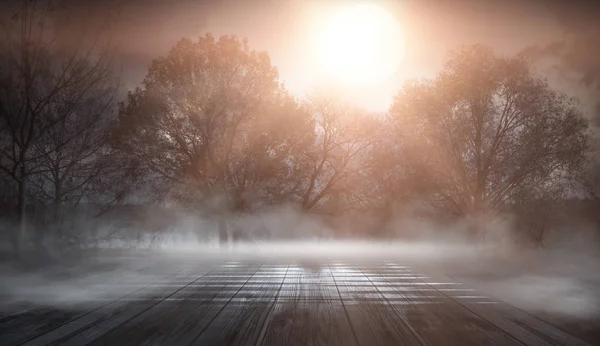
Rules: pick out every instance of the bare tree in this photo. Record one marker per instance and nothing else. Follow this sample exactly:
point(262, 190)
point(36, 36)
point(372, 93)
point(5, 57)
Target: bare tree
point(81, 155)
point(45, 82)
point(336, 163)
point(212, 126)
point(486, 128)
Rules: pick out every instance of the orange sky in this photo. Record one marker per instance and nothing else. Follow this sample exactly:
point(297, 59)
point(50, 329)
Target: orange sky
point(147, 29)
point(283, 28)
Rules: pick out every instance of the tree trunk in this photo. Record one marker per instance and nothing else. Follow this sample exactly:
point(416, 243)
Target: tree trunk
point(19, 233)
point(475, 226)
point(57, 232)
point(38, 241)
point(473, 230)
point(223, 237)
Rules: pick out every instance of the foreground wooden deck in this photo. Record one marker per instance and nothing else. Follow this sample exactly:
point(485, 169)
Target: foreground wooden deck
point(280, 303)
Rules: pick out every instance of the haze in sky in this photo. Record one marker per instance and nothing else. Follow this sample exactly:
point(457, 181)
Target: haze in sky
point(560, 35)
point(287, 29)
point(199, 160)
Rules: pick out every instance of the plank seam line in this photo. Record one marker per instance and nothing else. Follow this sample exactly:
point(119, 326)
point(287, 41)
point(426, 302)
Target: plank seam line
point(142, 268)
point(223, 308)
point(263, 330)
point(112, 302)
point(402, 318)
point(94, 310)
point(474, 313)
point(344, 306)
point(530, 315)
point(160, 301)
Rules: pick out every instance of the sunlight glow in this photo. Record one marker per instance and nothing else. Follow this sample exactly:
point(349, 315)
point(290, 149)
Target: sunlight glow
point(360, 45)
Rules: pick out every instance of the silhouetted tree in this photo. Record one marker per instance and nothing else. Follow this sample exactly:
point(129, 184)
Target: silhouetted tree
point(47, 82)
point(336, 163)
point(485, 129)
point(394, 180)
point(80, 156)
point(213, 127)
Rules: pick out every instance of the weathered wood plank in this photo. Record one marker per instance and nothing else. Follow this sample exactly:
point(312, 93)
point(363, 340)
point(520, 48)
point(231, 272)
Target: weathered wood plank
point(180, 318)
point(242, 319)
point(437, 319)
point(515, 322)
point(309, 283)
point(99, 321)
point(32, 323)
point(308, 311)
point(256, 302)
point(373, 320)
point(309, 323)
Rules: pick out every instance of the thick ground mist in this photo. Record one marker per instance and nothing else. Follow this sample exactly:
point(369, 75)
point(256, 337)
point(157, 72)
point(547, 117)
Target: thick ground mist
point(557, 282)
point(552, 281)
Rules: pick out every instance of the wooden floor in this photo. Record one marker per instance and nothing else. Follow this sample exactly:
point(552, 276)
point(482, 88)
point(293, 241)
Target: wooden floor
point(280, 303)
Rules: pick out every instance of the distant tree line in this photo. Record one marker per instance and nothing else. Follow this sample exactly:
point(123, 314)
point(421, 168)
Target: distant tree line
point(212, 130)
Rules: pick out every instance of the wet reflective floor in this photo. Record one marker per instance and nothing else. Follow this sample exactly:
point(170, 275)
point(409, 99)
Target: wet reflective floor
point(280, 303)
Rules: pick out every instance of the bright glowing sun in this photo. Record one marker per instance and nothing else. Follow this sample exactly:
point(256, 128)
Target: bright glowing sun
point(360, 45)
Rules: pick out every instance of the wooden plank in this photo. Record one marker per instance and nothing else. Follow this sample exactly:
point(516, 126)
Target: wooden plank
point(516, 322)
point(97, 322)
point(179, 318)
point(261, 288)
point(86, 273)
point(312, 284)
point(308, 311)
point(242, 319)
point(376, 323)
point(373, 320)
point(19, 328)
point(32, 323)
point(246, 303)
point(311, 322)
point(237, 323)
point(434, 317)
point(278, 327)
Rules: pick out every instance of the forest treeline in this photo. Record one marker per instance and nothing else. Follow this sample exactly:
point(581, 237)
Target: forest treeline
point(211, 131)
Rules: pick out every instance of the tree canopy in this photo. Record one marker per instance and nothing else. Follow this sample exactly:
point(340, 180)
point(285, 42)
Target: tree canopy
point(212, 129)
point(211, 120)
point(485, 129)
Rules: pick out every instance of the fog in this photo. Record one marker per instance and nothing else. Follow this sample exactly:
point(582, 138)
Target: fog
point(172, 140)
point(558, 281)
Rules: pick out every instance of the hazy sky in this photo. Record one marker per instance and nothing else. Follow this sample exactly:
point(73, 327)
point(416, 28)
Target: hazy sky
point(563, 34)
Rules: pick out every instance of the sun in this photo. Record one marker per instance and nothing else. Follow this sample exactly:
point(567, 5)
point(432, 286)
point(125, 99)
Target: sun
point(360, 45)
